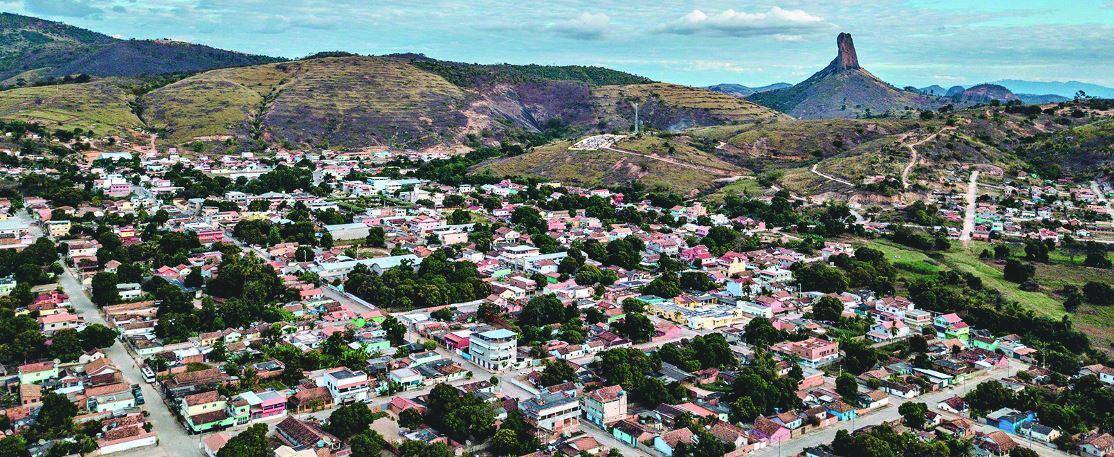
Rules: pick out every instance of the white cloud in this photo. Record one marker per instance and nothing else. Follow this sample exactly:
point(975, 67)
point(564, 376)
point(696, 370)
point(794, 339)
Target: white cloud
point(586, 26)
point(66, 8)
point(777, 21)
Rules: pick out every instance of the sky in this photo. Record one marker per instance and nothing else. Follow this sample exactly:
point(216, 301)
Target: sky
point(694, 42)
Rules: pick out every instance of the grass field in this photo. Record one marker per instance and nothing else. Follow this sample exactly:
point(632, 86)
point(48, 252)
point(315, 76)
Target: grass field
point(748, 187)
point(1097, 322)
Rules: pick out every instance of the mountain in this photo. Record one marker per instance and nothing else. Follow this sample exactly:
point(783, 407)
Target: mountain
point(1064, 89)
point(983, 93)
point(742, 91)
point(934, 90)
point(411, 101)
point(33, 49)
point(842, 89)
point(1033, 99)
point(954, 90)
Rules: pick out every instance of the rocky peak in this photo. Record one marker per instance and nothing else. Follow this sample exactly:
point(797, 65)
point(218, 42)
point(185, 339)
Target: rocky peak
point(846, 59)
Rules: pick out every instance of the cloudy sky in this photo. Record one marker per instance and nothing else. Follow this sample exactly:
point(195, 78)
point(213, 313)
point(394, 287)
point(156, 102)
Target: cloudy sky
point(698, 42)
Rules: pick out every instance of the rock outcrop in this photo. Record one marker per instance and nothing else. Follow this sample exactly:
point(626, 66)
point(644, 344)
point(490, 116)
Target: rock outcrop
point(847, 58)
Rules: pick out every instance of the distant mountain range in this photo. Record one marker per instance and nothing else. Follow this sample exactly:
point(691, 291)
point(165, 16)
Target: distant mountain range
point(1063, 89)
point(742, 91)
point(842, 89)
point(33, 50)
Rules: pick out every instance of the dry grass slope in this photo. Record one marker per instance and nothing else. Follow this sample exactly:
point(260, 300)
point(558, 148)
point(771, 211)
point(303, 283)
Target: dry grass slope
point(99, 106)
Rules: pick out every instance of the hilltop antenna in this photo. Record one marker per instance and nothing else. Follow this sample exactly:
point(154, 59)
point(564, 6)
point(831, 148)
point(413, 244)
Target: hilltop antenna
point(636, 122)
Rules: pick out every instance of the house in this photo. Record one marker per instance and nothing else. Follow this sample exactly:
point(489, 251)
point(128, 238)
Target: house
point(949, 326)
point(1038, 432)
point(667, 442)
point(264, 405)
point(36, 373)
point(552, 414)
point(1008, 419)
point(1096, 445)
point(769, 431)
point(345, 385)
point(1104, 373)
point(953, 405)
point(301, 435)
point(605, 406)
point(630, 432)
point(993, 443)
point(494, 350)
point(842, 411)
point(812, 352)
point(204, 411)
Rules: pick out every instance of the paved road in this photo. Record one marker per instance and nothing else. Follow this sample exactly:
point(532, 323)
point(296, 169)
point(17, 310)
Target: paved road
point(173, 439)
point(889, 413)
point(969, 216)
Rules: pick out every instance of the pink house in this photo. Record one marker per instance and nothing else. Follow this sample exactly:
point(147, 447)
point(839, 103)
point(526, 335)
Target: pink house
point(769, 431)
point(210, 236)
point(696, 252)
point(265, 405)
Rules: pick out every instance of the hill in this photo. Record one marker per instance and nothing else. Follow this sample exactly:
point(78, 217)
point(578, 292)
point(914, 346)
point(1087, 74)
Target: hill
point(1033, 99)
point(102, 107)
point(934, 90)
point(742, 91)
point(28, 44)
point(33, 49)
point(666, 162)
point(984, 93)
point(842, 89)
point(409, 101)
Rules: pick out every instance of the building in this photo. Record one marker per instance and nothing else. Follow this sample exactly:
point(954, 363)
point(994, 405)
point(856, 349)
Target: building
point(264, 405)
point(346, 385)
point(552, 414)
point(36, 373)
point(1009, 420)
point(494, 350)
point(55, 229)
point(605, 406)
point(813, 352)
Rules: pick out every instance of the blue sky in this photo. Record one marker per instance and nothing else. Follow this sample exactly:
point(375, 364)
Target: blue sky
point(697, 42)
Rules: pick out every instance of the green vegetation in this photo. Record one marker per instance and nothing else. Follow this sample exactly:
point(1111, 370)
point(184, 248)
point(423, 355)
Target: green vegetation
point(468, 75)
point(436, 282)
point(100, 106)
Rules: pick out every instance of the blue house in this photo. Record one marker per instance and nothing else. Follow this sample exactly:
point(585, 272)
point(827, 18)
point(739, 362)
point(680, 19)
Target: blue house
point(842, 411)
point(1008, 420)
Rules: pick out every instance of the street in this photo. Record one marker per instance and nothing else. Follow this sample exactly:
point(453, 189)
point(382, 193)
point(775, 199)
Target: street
point(173, 439)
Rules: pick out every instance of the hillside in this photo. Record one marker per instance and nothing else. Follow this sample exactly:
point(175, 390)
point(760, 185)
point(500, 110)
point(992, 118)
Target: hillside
point(99, 106)
point(356, 101)
point(28, 43)
point(33, 49)
point(669, 163)
point(842, 89)
point(984, 93)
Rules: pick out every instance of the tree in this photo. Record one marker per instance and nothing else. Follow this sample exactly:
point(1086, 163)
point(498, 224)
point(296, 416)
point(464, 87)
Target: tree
point(104, 289)
point(760, 332)
point(348, 420)
point(410, 418)
point(988, 396)
point(914, 414)
point(827, 308)
point(443, 314)
point(696, 280)
point(633, 305)
point(396, 332)
point(705, 445)
point(918, 344)
point(636, 327)
point(743, 410)
point(368, 442)
point(96, 336)
point(14, 446)
point(556, 372)
point(858, 356)
point(1098, 293)
point(194, 279)
point(1019, 272)
point(376, 237)
point(543, 310)
point(848, 388)
point(56, 415)
point(248, 443)
point(666, 286)
point(1023, 452)
point(822, 277)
